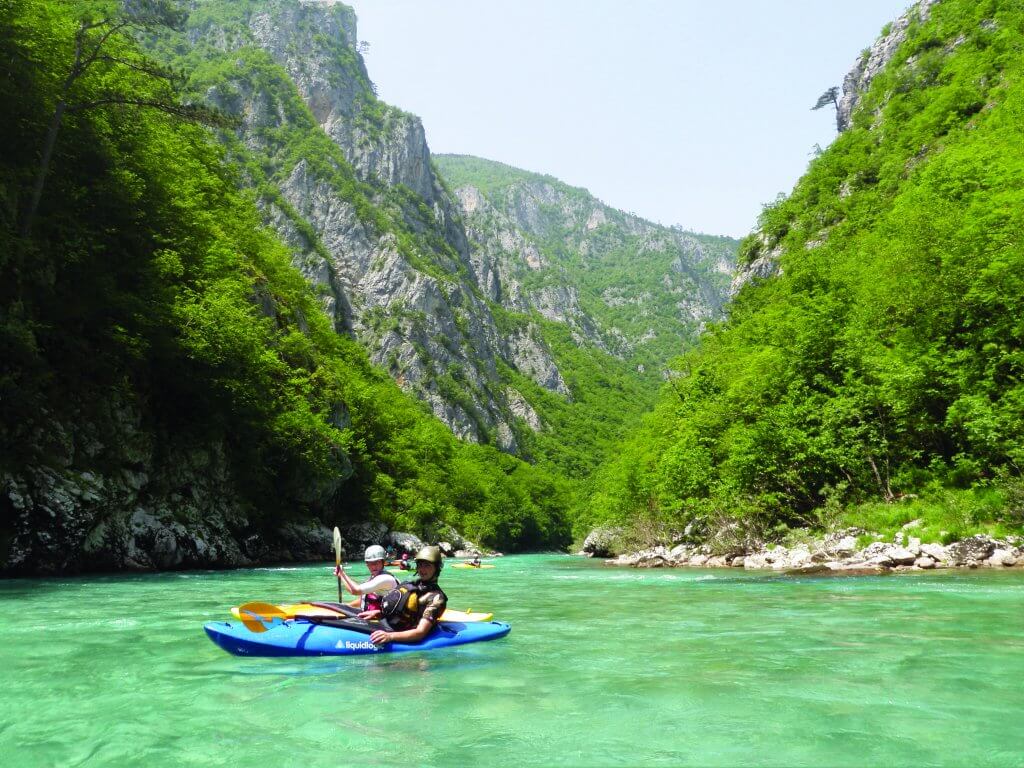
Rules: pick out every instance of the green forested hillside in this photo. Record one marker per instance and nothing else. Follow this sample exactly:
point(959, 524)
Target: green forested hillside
point(640, 292)
point(878, 378)
point(653, 284)
point(147, 277)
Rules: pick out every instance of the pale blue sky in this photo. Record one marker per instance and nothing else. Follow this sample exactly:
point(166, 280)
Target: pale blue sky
point(691, 112)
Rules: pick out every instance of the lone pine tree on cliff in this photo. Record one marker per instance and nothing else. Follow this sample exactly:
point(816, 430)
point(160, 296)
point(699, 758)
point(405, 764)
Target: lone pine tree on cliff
point(831, 96)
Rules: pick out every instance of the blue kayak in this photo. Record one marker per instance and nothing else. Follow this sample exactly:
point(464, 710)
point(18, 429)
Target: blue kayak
point(298, 637)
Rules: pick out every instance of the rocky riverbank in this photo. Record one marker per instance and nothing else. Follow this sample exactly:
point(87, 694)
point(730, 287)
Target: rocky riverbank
point(841, 551)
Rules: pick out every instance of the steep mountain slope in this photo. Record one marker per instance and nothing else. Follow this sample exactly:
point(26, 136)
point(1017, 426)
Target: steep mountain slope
point(870, 368)
point(347, 180)
point(613, 296)
point(634, 289)
point(349, 183)
point(172, 393)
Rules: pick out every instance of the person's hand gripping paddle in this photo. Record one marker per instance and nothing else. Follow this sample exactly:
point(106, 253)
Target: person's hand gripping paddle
point(337, 559)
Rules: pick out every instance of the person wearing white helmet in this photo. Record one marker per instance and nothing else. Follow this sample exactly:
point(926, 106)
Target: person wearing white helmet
point(380, 582)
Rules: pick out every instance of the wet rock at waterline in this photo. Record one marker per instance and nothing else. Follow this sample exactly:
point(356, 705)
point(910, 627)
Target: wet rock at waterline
point(602, 542)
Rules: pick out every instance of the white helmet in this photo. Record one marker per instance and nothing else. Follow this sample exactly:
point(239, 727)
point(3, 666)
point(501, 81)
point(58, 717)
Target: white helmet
point(374, 552)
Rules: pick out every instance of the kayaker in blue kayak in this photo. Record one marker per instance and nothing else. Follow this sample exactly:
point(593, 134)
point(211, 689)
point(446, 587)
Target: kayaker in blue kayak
point(414, 607)
point(372, 590)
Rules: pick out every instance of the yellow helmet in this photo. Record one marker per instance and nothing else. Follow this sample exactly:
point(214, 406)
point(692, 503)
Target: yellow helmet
point(431, 555)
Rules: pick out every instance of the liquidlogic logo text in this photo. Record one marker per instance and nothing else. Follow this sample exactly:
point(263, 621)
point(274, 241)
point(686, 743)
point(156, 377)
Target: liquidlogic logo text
point(361, 645)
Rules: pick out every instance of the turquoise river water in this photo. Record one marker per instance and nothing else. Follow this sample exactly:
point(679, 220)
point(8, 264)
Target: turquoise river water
point(604, 666)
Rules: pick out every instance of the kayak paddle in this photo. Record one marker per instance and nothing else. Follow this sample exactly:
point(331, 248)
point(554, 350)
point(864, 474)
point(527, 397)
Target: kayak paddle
point(337, 559)
point(259, 617)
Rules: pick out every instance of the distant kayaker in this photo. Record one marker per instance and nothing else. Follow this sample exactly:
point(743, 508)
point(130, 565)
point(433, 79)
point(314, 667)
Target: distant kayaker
point(475, 562)
point(373, 589)
point(414, 608)
point(405, 565)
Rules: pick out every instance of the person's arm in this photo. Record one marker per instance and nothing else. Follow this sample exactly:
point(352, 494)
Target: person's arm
point(414, 635)
point(433, 607)
point(367, 586)
point(351, 586)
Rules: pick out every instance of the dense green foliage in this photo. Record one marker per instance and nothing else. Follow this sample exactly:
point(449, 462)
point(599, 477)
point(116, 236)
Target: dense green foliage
point(879, 377)
point(608, 399)
point(149, 278)
point(494, 179)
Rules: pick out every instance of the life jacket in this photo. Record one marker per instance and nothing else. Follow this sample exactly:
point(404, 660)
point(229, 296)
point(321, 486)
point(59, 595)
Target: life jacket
point(400, 607)
point(372, 601)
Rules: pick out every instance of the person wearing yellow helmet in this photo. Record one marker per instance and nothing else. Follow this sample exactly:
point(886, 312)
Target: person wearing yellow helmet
point(371, 591)
point(413, 609)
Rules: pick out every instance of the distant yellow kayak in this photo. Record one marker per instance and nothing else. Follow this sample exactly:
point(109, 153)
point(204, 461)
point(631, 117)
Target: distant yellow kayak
point(307, 609)
point(474, 567)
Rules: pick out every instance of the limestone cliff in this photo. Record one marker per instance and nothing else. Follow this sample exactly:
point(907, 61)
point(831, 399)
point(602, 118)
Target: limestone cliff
point(874, 59)
point(347, 180)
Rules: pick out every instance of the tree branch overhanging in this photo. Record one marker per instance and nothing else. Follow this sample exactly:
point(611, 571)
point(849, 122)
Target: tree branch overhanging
point(91, 49)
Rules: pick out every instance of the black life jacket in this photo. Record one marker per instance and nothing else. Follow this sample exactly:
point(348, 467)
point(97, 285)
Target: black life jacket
point(400, 607)
point(372, 600)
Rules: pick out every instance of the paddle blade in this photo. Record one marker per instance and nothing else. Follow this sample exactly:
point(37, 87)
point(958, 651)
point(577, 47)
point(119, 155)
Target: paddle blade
point(337, 546)
point(259, 617)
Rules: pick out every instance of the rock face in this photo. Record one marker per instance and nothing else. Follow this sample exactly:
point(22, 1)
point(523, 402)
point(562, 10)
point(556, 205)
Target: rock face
point(405, 541)
point(163, 502)
point(765, 265)
point(356, 197)
point(976, 549)
point(874, 60)
point(532, 236)
point(602, 542)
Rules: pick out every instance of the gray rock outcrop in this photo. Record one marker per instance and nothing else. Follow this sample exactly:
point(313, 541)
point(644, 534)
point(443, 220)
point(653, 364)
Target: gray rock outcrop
point(976, 549)
point(875, 59)
point(159, 502)
point(405, 541)
point(390, 258)
point(602, 542)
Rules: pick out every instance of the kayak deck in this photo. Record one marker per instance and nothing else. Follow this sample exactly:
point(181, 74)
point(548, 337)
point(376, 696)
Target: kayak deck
point(317, 611)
